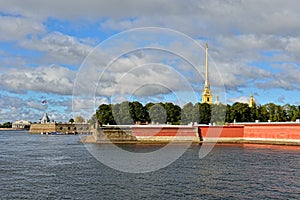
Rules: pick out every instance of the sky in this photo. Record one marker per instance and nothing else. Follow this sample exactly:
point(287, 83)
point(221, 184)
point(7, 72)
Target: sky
point(78, 54)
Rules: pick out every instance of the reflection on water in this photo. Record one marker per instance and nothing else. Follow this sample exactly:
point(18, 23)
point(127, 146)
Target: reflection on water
point(38, 166)
point(274, 147)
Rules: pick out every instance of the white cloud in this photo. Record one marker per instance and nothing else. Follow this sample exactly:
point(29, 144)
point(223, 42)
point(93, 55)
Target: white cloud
point(211, 18)
point(36, 105)
point(241, 99)
point(18, 28)
point(286, 77)
point(192, 17)
point(60, 48)
point(53, 79)
point(15, 108)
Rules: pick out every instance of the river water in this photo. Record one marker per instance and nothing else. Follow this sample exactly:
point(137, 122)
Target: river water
point(59, 167)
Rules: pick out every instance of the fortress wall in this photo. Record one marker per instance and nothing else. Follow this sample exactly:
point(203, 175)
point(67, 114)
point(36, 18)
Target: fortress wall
point(236, 131)
point(165, 134)
point(38, 128)
point(61, 128)
point(252, 133)
point(113, 134)
point(221, 133)
point(83, 128)
point(272, 131)
point(164, 131)
point(66, 128)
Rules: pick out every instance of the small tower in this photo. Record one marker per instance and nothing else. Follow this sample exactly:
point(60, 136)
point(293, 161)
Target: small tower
point(217, 100)
point(251, 101)
point(207, 94)
point(45, 119)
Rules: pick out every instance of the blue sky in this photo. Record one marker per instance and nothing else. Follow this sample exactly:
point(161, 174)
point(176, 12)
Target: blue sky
point(59, 51)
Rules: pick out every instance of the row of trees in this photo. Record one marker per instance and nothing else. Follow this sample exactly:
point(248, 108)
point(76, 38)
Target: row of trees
point(78, 119)
point(132, 112)
point(6, 125)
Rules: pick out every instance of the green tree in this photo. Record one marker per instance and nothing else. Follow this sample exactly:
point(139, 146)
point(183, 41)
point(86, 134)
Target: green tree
point(240, 112)
point(138, 112)
point(280, 114)
point(189, 113)
point(262, 113)
point(71, 120)
point(276, 112)
point(130, 112)
point(271, 109)
point(229, 117)
point(158, 113)
point(149, 105)
point(173, 113)
point(205, 113)
point(116, 112)
point(297, 114)
point(147, 110)
point(6, 125)
point(125, 113)
point(253, 114)
point(104, 114)
point(218, 113)
point(79, 119)
point(291, 112)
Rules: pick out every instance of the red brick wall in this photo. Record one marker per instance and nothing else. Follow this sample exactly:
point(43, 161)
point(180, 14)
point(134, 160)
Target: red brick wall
point(163, 131)
point(222, 131)
point(272, 131)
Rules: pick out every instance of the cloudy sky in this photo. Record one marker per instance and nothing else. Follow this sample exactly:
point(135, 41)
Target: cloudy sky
point(78, 54)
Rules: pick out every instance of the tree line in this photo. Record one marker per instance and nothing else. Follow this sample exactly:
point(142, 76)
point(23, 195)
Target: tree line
point(127, 113)
point(6, 125)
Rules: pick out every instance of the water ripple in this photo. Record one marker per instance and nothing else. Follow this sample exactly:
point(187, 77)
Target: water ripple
point(43, 167)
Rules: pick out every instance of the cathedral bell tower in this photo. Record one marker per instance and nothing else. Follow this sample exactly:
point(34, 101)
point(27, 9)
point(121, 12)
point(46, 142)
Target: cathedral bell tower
point(207, 94)
point(251, 101)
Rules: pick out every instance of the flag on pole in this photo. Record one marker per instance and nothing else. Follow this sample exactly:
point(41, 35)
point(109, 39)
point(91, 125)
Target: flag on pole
point(44, 101)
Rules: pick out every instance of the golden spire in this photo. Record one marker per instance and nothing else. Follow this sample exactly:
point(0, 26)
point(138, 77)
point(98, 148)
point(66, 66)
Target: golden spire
point(206, 65)
point(217, 100)
point(206, 95)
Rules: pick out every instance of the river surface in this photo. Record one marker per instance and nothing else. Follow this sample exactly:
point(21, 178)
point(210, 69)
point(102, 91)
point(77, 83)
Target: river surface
point(59, 167)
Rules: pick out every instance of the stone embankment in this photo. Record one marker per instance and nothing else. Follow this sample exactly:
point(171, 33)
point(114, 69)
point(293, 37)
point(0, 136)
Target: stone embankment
point(66, 128)
point(143, 134)
point(256, 133)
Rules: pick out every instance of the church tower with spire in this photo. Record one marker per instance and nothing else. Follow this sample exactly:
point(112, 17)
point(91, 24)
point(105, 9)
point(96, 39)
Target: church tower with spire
point(207, 94)
point(251, 101)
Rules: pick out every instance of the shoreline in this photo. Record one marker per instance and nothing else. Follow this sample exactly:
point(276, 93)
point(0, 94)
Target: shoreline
point(89, 139)
point(13, 129)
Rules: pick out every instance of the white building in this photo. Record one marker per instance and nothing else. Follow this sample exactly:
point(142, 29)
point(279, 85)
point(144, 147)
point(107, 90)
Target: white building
point(45, 119)
point(21, 124)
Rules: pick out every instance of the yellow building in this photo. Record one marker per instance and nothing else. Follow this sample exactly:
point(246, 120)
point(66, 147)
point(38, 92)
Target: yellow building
point(207, 94)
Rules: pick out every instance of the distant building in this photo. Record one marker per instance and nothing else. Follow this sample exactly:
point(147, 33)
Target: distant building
point(217, 100)
point(21, 124)
point(45, 119)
